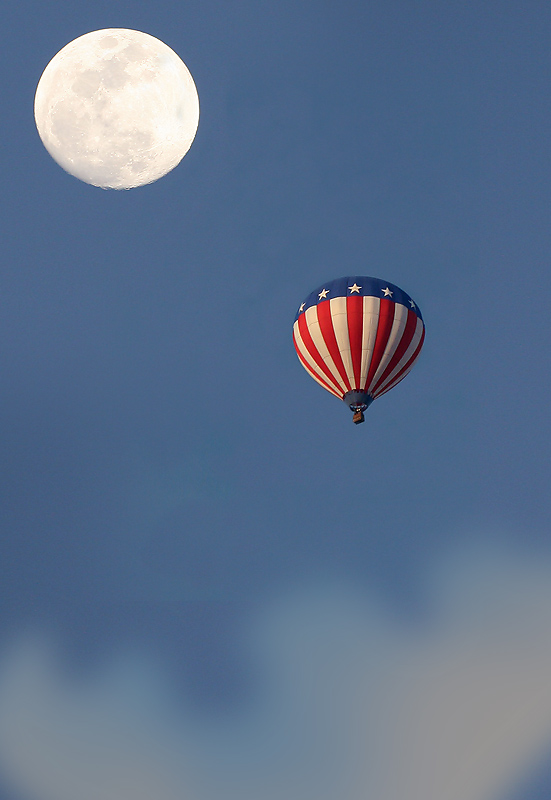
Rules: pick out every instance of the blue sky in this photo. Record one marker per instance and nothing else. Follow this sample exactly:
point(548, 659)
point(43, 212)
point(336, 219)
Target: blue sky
point(167, 466)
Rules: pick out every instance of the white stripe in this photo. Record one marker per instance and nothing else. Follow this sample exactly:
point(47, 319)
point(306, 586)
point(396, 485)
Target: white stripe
point(323, 386)
point(405, 358)
point(398, 325)
point(339, 318)
point(371, 308)
point(312, 368)
point(314, 329)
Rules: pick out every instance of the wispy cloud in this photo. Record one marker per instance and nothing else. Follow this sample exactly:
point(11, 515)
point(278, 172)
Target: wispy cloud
point(355, 703)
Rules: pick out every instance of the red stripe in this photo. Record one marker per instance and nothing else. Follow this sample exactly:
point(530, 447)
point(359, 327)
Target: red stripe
point(407, 335)
point(402, 373)
point(308, 367)
point(328, 333)
point(355, 317)
point(311, 347)
point(384, 326)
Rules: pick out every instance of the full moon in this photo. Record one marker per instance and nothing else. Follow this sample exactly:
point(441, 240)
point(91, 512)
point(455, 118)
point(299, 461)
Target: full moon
point(117, 108)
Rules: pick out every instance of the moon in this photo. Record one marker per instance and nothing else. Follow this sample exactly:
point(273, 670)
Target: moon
point(117, 108)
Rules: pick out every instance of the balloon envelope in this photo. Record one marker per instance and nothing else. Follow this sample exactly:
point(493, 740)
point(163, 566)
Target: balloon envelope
point(358, 337)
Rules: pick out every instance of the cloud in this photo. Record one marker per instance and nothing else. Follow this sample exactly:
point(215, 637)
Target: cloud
point(354, 703)
point(112, 737)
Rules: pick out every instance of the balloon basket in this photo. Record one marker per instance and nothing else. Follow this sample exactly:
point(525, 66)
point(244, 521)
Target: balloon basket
point(358, 417)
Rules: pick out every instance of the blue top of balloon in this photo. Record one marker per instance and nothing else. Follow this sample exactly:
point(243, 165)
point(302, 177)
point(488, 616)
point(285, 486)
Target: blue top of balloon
point(358, 285)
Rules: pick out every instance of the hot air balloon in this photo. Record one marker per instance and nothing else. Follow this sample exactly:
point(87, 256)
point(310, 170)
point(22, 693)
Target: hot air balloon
point(358, 337)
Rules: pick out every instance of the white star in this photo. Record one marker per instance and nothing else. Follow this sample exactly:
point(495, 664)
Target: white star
point(323, 294)
point(412, 304)
point(386, 292)
point(355, 288)
point(301, 307)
